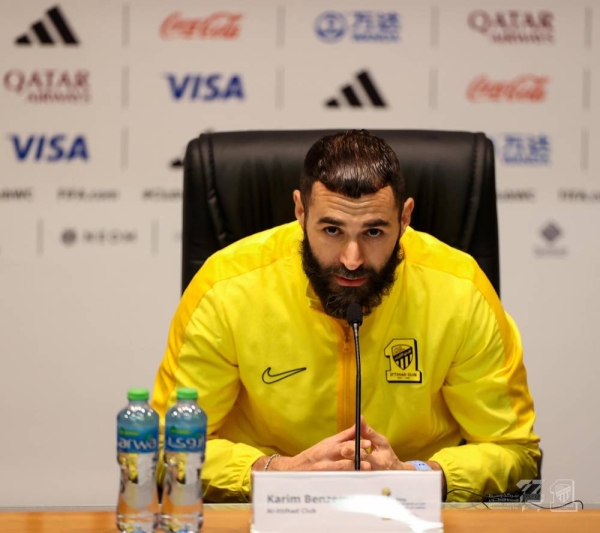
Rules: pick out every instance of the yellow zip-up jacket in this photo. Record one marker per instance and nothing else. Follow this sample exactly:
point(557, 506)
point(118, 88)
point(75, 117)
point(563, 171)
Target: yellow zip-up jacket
point(441, 366)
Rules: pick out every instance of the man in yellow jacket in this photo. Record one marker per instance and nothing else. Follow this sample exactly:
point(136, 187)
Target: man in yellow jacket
point(261, 333)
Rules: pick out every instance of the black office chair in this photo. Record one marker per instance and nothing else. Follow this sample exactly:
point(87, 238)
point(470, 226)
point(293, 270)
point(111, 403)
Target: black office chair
point(239, 183)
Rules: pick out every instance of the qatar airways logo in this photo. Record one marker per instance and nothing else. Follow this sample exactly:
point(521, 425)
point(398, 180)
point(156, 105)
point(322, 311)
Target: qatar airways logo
point(514, 26)
point(221, 25)
point(523, 88)
point(49, 86)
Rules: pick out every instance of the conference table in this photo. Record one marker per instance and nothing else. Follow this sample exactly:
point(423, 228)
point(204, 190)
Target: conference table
point(224, 518)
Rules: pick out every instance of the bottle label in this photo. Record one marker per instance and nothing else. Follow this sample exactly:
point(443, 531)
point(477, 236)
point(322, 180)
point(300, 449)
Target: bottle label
point(137, 440)
point(185, 440)
point(138, 482)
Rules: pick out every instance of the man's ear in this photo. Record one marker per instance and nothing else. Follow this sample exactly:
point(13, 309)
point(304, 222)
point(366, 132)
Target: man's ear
point(299, 207)
point(407, 210)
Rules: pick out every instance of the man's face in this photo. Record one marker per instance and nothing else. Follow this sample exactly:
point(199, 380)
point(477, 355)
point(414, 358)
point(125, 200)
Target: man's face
point(350, 250)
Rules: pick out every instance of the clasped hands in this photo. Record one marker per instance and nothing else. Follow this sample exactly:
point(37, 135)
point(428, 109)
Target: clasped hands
point(338, 453)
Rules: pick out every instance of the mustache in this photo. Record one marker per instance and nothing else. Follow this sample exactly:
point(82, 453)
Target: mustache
point(343, 272)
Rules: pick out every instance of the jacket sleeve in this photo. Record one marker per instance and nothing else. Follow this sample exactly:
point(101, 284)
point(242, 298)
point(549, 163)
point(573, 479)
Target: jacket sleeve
point(486, 392)
point(201, 354)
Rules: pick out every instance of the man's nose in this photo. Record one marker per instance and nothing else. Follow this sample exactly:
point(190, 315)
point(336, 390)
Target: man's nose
point(352, 256)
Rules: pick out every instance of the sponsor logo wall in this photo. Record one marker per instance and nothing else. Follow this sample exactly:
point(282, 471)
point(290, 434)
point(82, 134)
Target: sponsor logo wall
point(99, 100)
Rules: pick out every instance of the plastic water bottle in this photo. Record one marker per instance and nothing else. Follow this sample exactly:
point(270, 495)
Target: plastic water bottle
point(185, 444)
point(137, 455)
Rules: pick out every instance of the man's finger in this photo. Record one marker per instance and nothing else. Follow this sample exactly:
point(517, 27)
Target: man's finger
point(376, 438)
point(365, 465)
point(364, 443)
point(347, 451)
point(348, 465)
point(343, 464)
point(342, 436)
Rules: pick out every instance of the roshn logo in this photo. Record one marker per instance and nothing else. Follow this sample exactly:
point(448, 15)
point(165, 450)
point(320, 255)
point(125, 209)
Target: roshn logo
point(551, 233)
point(50, 148)
point(363, 93)
point(360, 26)
point(205, 87)
point(523, 149)
point(514, 26)
point(404, 361)
point(51, 30)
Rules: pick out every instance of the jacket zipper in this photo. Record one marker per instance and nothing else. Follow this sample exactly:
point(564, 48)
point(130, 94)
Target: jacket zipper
point(346, 381)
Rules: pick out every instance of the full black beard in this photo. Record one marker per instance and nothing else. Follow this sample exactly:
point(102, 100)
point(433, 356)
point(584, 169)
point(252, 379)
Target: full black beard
point(336, 298)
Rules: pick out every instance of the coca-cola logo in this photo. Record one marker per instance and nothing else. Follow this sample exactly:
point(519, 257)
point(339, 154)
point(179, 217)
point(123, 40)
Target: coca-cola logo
point(49, 85)
point(514, 26)
point(524, 88)
point(220, 25)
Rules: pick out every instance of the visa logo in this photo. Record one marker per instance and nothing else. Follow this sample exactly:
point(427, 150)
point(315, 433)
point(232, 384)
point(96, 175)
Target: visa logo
point(205, 87)
point(51, 148)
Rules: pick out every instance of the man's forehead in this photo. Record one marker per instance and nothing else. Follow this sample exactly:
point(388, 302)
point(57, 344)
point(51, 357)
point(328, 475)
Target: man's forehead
point(381, 204)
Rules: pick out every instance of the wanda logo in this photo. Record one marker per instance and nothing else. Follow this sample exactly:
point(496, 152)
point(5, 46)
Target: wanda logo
point(220, 25)
point(524, 88)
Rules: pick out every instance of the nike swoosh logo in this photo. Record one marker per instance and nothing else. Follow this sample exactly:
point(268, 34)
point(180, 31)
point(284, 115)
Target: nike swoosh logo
point(269, 378)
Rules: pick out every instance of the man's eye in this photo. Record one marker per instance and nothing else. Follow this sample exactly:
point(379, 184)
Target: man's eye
point(373, 232)
point(331, 230)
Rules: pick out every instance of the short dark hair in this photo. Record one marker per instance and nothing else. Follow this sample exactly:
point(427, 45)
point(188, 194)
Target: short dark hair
point(352, 163)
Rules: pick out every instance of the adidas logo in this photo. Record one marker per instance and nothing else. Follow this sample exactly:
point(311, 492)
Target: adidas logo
point(51, 30)
point(360, 94)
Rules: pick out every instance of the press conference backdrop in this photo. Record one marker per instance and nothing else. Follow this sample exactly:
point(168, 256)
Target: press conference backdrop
point(98, 99)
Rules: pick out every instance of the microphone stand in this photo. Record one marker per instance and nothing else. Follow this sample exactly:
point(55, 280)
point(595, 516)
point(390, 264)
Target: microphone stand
point(358, 400)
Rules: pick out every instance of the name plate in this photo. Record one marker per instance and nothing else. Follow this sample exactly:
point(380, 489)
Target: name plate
point(330, 502)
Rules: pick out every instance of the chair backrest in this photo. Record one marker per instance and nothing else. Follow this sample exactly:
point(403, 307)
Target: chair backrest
point(240, 183)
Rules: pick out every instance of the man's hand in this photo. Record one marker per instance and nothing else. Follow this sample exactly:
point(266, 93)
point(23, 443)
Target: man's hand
point(382, 456)
point(332, 453)
point(337, 453)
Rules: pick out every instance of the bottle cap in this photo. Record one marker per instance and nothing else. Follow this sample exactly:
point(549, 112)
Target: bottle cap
point(186, 393)
point(137, 394)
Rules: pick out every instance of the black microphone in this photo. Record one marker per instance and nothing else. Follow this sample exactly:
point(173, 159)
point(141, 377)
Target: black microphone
point(354, 316)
